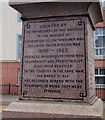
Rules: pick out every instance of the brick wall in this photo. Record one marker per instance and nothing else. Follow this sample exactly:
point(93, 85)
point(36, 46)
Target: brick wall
point(9, 77)
point(100, 91)
point(100, 63)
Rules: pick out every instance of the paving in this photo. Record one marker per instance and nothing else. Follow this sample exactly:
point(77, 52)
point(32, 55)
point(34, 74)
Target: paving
point(5, 100)
point(104, 110)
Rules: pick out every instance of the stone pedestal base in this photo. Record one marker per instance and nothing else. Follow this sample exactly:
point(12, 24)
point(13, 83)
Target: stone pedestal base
point(43, 109)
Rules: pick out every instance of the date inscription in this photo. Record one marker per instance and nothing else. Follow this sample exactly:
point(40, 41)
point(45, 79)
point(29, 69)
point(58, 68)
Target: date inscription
point(54, 59)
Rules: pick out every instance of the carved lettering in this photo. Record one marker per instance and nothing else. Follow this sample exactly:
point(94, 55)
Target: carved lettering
point(54, 58)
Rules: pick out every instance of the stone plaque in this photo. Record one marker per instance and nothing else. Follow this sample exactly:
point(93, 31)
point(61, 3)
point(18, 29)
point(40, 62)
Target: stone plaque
point(54, 59)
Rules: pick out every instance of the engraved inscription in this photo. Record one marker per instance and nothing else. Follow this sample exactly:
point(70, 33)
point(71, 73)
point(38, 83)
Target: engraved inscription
point(54, 64)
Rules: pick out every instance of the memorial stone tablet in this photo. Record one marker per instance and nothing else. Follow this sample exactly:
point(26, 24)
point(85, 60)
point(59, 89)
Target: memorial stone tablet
point(57, 61)
point(54, 59)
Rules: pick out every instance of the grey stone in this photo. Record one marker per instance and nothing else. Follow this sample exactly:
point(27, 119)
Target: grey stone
point(39, 109)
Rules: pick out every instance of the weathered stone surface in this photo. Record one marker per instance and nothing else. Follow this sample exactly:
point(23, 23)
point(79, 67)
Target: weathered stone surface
point(54, 110)
point(50, 9)
point(57, 61)
point(54, 63)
